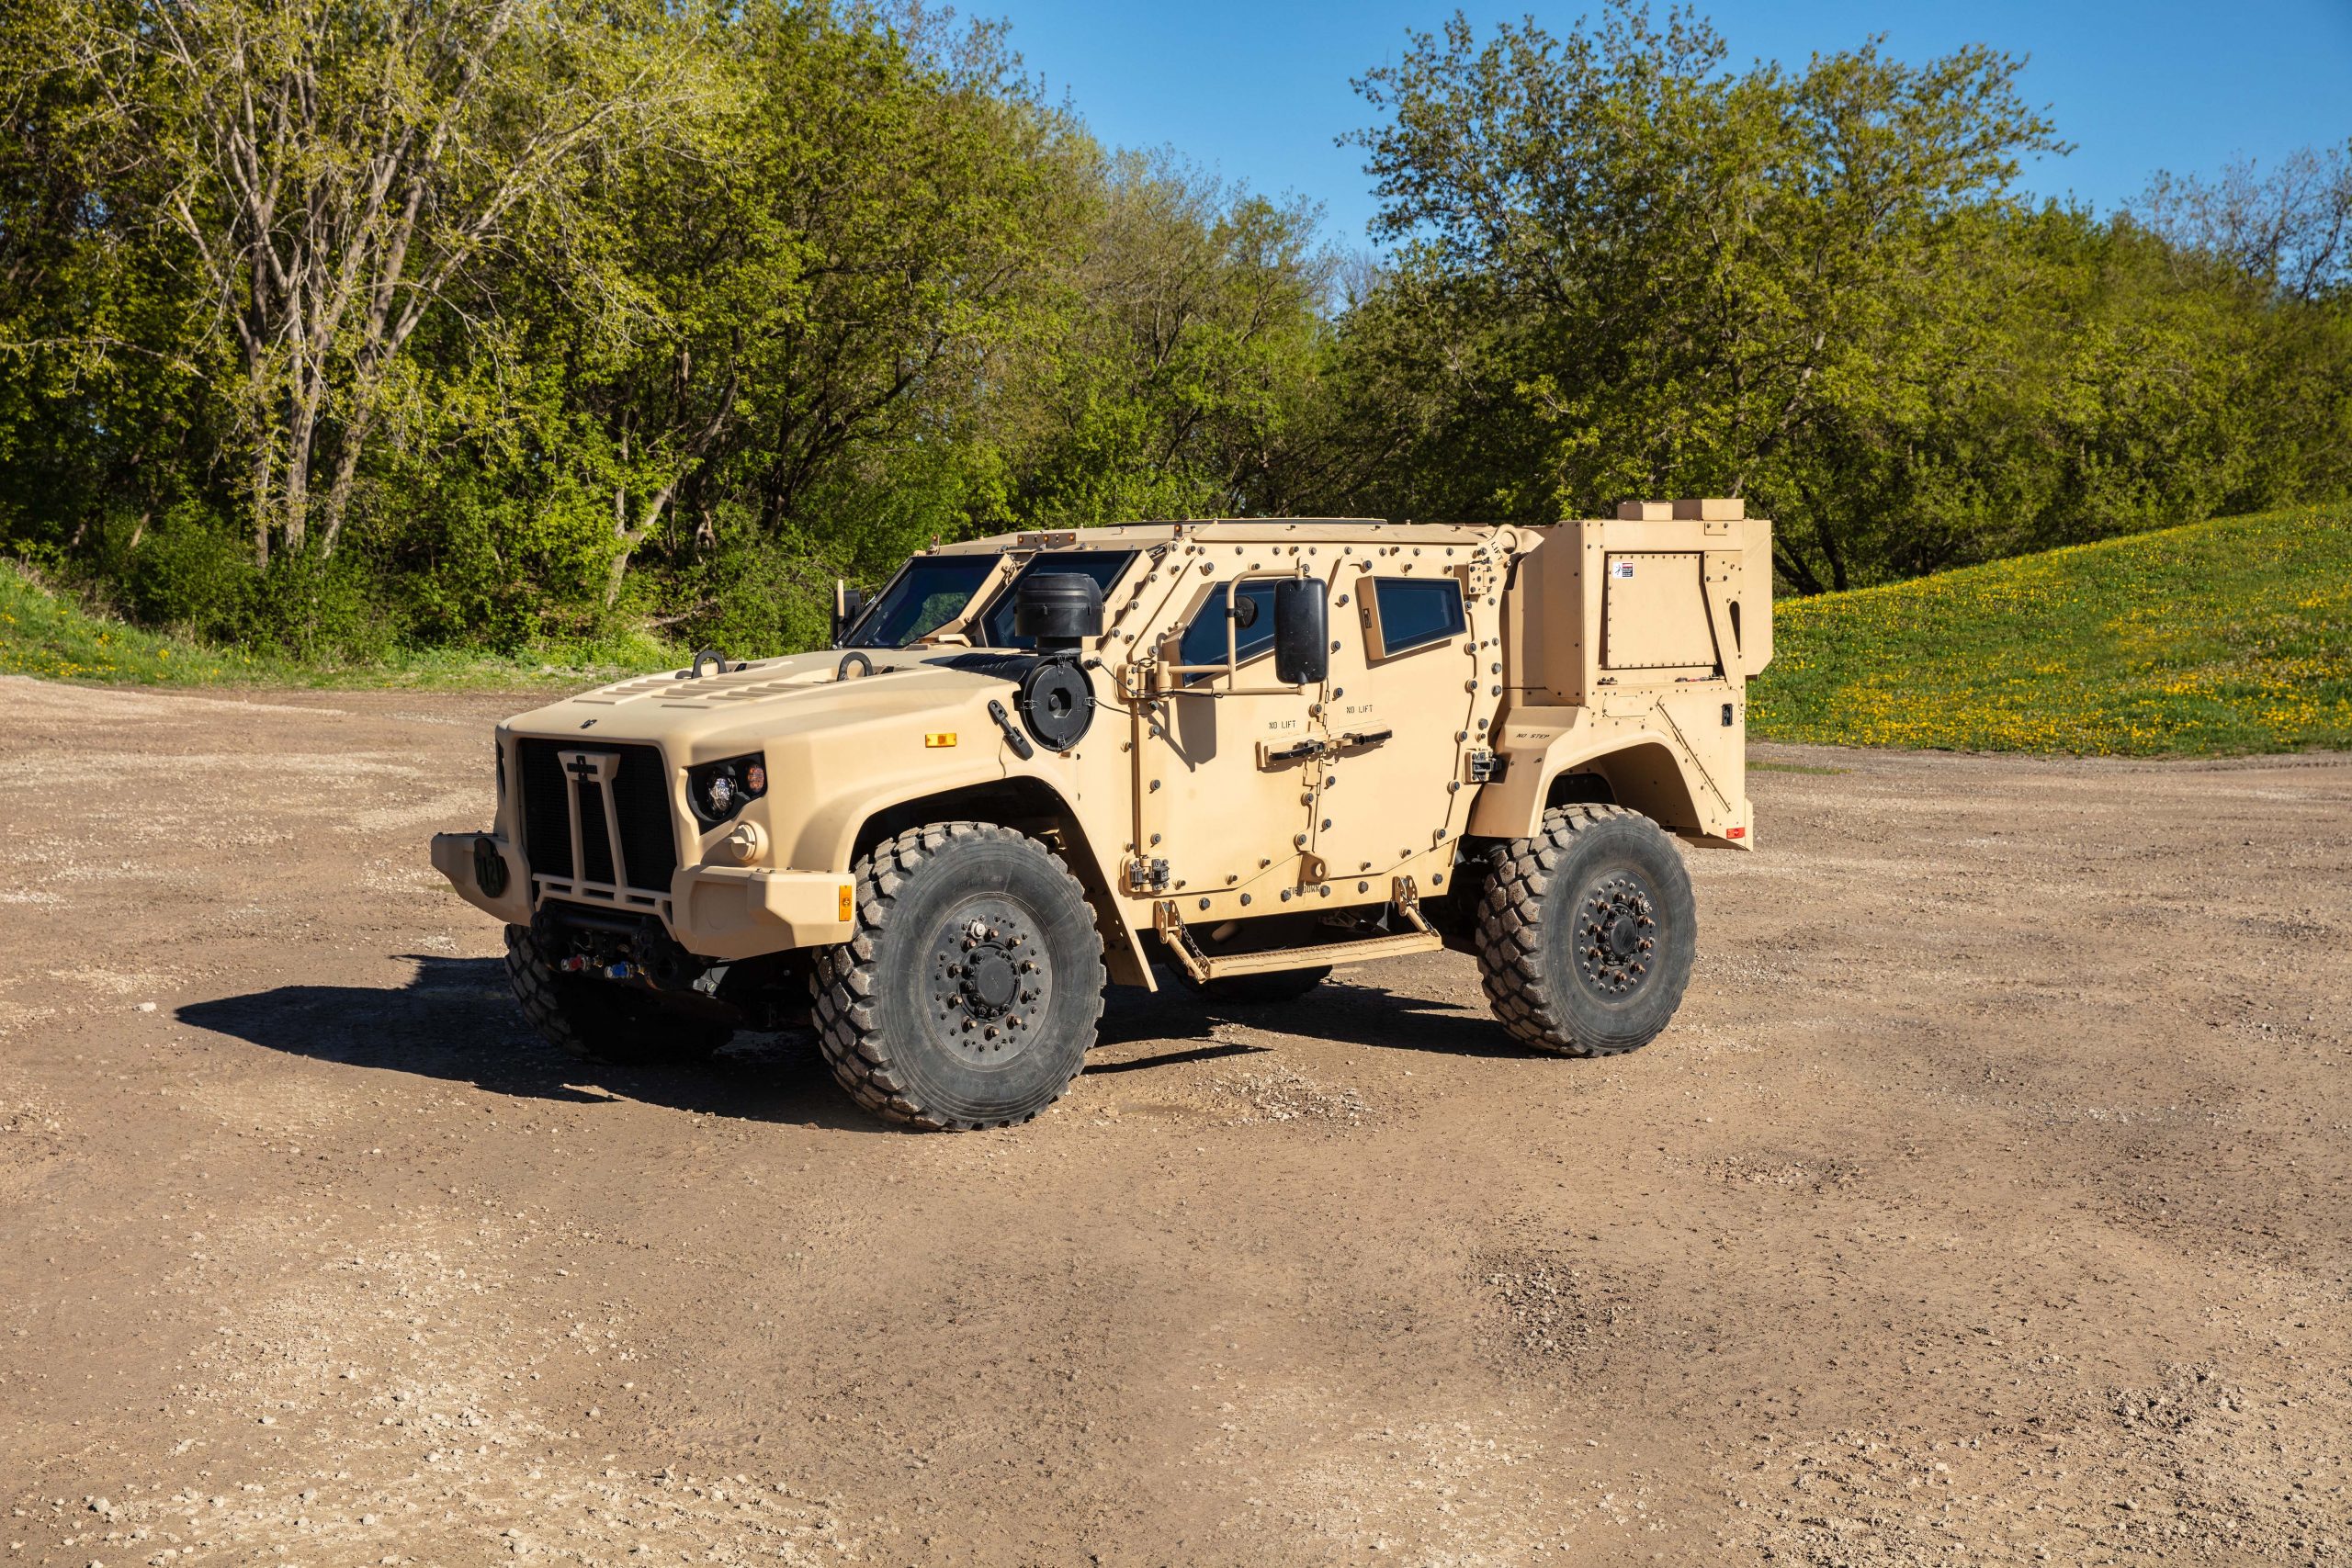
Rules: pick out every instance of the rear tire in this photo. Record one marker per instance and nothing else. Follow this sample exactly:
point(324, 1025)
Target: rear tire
point(969, 995)
point(1585, 933)
point(601, 1021)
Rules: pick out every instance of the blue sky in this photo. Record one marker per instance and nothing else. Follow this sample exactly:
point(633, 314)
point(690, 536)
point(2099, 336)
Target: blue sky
point(1259, 91)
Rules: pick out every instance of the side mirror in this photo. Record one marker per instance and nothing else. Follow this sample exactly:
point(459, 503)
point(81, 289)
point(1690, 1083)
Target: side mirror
point(1302, 632)
point(848, 604)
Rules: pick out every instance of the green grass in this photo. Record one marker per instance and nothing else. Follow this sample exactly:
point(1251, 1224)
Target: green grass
point(51, 636)
point(2230, 636)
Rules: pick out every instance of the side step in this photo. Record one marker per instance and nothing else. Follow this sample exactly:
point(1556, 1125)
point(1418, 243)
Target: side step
point(1203, 966)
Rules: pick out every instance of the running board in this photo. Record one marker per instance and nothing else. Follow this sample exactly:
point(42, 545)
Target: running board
point(1203, 966)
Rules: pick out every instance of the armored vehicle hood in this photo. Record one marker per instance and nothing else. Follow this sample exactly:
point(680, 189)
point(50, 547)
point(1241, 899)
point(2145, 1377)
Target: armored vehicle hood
point(768, 699)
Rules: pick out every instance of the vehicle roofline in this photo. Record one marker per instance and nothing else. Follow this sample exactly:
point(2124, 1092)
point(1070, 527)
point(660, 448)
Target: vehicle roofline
point(1275, 530)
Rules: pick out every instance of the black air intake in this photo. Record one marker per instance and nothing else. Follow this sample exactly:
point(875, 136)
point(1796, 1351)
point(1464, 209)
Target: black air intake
point(641, 797)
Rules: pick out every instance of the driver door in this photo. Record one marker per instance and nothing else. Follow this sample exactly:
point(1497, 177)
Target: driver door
point(1227, 773)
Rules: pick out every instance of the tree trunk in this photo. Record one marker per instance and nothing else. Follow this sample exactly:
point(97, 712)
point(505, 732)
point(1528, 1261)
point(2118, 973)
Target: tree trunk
point(346, 470)
point(297, 475)
point(261, 501)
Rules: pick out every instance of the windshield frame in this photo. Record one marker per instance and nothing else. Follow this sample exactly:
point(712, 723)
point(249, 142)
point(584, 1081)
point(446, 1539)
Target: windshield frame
point(864, 632)
point(990, 596)
point(1001, 600)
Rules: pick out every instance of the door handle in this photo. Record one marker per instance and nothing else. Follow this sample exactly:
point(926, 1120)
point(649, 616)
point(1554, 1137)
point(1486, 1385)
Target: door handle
point(1366, 737)
point(1305, 751)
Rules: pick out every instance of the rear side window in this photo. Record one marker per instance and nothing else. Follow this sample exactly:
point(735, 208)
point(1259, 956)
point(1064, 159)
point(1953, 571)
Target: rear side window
point(1414, 612)
point(1203, 640)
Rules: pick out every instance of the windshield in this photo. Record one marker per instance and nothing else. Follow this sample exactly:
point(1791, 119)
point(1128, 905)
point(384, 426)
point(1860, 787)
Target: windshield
point(931, 591)
point(995, 629)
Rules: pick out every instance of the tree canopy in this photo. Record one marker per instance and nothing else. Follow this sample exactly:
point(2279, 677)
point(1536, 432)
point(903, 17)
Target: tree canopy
point(342, 324)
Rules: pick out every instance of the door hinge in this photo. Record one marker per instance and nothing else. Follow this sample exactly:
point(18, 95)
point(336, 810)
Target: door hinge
point(1147, 875)
point(1485, 767)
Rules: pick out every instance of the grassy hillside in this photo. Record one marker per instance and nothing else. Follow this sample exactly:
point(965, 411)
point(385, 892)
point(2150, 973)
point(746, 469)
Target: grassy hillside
point(2230, 636)
point(53, 637)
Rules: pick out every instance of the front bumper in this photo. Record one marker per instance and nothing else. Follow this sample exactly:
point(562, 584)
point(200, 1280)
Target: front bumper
point(728, 911)
point(713, 911)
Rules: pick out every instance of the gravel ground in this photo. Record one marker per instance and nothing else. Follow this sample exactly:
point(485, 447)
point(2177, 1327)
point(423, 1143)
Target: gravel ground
point(1988, 1202)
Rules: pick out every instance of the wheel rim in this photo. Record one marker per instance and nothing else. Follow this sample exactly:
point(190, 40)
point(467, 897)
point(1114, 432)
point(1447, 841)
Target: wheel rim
point(989, 979)
point(1617, 936)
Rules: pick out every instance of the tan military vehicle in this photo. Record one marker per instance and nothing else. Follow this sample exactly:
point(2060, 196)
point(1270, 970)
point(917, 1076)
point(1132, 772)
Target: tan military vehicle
point(1032, 765)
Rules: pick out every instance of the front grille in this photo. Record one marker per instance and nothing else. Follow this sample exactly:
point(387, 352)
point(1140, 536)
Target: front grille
point(649, 842)
point(648, 832)
point(595, 843)
point(547, 809)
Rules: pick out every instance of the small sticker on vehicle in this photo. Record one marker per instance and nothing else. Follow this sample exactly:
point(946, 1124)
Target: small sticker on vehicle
point(1621, 569)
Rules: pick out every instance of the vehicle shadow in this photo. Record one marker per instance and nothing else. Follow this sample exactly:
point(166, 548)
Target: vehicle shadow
point(455, 1020)
point(1340, 1012)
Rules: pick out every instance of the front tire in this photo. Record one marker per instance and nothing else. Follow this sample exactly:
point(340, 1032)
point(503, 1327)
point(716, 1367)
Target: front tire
point(1585, 933)
point(969, 993)
point(598, 1020)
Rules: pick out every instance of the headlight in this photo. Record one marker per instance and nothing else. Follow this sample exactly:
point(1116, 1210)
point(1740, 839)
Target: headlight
point(718, 790)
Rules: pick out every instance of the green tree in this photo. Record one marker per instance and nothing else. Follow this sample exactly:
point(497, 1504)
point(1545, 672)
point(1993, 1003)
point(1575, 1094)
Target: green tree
point(1682, 275)
point(1189, 342)
point(334, 171)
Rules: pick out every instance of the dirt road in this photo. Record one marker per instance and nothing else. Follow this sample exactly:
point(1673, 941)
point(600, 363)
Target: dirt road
point(1988, 1201)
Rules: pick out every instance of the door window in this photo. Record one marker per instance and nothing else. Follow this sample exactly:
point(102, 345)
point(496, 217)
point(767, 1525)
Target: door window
point(1414, 612)
point(1204, 639)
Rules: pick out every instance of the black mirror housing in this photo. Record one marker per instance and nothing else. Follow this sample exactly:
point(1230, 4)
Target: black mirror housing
point(1302, 632)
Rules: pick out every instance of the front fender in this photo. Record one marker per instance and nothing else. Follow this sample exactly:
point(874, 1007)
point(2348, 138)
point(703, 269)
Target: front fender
point(896, 775)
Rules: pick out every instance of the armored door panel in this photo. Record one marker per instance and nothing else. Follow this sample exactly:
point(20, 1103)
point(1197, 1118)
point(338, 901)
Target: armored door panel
point(1226, 779)
point(1410, 684)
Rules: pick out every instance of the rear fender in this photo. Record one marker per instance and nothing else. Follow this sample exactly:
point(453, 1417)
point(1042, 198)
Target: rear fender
point(1643, 769)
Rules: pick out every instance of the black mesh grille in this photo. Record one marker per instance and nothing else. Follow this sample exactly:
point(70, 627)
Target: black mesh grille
point(642, 794)
point(648, 835)
point(595, 843)
point(547, 809)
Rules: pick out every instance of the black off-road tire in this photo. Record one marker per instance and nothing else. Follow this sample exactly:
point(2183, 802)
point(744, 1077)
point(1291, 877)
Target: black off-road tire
point(914, 1013)
point(600, 1022)
point(1269, 989)
point(1562, 929)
